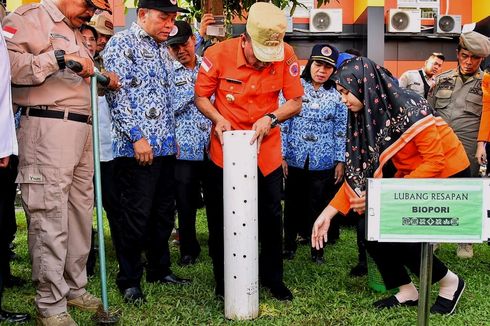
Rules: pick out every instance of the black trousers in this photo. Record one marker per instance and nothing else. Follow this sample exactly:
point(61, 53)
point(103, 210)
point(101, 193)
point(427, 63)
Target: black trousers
point(147, 207)
point(111, 202)
point(269, 220)
point(188, 179)
point(8, 224)
point(392, 259)
point(307, 194)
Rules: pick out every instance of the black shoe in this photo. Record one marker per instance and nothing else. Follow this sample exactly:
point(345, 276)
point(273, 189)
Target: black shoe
point(14, 281)
point(317, 256)
point(288, 254)
point(219, 292)
point(318, 260)
point(13, 317)
point(392, 302)
point(280, 292)
point(358, 270)
point(133, 295)
point(446, 307)
point(303, 240)
point(187, 260)
point(168, 279)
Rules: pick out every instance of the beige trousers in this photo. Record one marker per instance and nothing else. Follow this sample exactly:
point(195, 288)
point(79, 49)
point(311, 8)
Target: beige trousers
point(55, 177)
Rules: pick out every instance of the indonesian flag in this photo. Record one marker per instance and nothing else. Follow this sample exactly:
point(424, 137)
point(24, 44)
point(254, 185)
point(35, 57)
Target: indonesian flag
point(206, 64)
point(9, 32)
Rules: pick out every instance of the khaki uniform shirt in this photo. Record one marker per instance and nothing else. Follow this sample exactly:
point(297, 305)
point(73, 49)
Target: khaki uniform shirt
point(411, 79)
point(35, 31)
point(460, 105)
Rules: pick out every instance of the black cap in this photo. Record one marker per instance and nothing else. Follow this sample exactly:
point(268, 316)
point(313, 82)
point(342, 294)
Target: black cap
point(326, 53)
point(180, 33)
point(161, 5)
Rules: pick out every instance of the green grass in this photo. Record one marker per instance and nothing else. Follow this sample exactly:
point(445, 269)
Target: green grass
point(324, 295)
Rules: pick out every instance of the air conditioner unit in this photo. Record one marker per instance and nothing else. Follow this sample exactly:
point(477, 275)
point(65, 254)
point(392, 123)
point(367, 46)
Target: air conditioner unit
point(326, 20)
point(403, 21)
point(448, 24)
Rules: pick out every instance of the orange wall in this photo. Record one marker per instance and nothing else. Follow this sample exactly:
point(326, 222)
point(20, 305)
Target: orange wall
point(399, 67)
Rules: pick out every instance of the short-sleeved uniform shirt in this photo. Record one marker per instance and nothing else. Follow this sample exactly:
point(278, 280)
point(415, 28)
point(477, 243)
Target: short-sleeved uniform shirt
point(243, 94)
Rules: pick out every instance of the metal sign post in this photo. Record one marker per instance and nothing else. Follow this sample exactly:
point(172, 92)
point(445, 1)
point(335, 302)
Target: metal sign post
point(425, 283)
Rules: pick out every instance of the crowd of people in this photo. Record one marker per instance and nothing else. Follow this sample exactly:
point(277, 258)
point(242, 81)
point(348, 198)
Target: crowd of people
point(320, 133)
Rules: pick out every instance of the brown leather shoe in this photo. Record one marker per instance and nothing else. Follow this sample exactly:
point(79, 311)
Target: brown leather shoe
point(85, 302)
point(63, 319)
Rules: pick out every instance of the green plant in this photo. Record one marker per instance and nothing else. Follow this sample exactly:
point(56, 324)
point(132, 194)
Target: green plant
point(236, 8)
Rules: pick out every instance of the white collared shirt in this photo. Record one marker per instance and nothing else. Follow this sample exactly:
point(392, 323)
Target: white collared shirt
point(8, 139)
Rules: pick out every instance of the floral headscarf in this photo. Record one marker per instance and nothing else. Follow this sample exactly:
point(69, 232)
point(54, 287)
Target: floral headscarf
point(391, 117)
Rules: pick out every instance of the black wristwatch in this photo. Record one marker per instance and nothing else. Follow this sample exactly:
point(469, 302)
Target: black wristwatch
point(60, 58)
point(273, 117)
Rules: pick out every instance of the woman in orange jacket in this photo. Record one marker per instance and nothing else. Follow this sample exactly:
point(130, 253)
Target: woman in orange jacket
point(386, 123)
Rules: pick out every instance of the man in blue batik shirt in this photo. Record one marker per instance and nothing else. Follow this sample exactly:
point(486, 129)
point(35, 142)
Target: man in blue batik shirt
point(144, 145)
point(192, 132)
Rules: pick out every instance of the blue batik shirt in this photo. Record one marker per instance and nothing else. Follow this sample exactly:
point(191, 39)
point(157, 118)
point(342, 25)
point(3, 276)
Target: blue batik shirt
point(317, 132)
point(141, 108)
point(192, 129)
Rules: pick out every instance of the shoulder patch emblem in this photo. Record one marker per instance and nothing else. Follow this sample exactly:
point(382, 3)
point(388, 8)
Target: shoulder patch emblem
point(294, 69)
point(290, 60)
point(206, 64)
point(8, 32)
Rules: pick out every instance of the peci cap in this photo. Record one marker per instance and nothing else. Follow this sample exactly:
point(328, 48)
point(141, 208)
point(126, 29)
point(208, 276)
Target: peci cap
point(102, 24)
point(101, 4)
point(325, 53)
point(266, 25)
point(180, 33)
point(161, 5)
point(476, 43)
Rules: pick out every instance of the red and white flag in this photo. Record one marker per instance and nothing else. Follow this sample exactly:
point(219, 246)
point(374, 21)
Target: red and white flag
point(206, 64)
point(8, 31)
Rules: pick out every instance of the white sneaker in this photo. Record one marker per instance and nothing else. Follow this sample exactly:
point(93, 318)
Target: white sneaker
point(465, 250)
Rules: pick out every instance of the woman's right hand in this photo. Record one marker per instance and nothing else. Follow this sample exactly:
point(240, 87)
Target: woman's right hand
point(320, 229)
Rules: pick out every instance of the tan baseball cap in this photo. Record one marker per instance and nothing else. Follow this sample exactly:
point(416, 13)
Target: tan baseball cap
point(102, 24)
point(266, 25)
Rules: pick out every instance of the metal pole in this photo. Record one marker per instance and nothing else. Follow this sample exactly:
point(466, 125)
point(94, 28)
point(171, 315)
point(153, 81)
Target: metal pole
point(425, 283)
point(98, 192)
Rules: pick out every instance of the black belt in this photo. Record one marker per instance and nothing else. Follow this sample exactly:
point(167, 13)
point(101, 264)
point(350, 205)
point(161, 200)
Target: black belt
point(43, 112)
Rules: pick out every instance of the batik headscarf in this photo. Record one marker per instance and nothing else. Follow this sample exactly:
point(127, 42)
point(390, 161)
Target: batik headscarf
point(391, 117)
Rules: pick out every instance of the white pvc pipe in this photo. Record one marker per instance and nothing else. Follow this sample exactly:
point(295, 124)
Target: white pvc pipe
point(240, 225)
